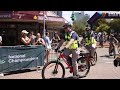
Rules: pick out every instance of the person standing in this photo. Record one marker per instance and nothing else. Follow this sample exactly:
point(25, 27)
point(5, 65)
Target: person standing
point(0, 40)
point(101, 39)
point(56, 38)
point(39, 40)
point(25, 40)
point(70, 38)
point(32, 36)
point(48, 45)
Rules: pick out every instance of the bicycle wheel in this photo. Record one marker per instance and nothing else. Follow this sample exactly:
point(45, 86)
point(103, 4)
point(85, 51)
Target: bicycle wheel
point(118, 48)
point(83, 67)
point(94, 59)
point(53, 69)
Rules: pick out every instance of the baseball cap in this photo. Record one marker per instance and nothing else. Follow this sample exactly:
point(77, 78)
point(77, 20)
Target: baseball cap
point(24, 31)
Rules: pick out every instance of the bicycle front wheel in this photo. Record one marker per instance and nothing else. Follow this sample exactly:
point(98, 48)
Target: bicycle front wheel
point(53, 69)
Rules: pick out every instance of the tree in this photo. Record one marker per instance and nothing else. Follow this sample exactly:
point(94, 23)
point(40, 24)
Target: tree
point(98, 23)
point(103, 27)
point(79, 26)
point(115, 25)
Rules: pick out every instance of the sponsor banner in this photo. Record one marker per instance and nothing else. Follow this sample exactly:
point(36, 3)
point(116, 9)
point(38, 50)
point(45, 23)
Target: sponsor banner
point(19, 57)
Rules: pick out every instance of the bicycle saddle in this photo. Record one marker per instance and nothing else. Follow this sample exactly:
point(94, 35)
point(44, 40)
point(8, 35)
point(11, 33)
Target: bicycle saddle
point(84, 52)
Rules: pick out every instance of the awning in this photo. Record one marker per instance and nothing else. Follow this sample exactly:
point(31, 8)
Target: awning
point(52, 19)
point(53, 22)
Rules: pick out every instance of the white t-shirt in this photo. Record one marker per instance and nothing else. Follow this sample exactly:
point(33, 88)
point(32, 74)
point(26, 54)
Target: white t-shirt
point(48, 42)
point(0, 39)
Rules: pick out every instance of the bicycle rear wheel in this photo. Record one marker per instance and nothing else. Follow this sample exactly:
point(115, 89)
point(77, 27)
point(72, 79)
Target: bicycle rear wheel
point(53, 69)
point(94, 59)
point(118, 48)
point(83, 67)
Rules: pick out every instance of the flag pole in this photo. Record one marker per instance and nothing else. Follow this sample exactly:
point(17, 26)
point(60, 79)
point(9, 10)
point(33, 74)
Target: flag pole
point(44, 24)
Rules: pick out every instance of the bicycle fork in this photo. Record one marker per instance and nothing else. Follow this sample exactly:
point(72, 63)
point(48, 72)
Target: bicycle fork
point(55, 71)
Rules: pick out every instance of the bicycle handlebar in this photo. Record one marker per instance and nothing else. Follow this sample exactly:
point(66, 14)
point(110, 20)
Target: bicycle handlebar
point(60, 51)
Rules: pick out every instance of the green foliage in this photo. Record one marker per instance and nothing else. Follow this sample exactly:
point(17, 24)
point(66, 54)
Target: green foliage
point(103, 27)
point(98, 23)
point(79, 26)
point(115, 25)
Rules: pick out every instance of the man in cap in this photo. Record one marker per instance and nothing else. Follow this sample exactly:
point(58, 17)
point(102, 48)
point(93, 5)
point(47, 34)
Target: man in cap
point(90, 42)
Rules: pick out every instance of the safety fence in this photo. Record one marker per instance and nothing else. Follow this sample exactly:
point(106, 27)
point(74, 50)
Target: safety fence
point(53, 55)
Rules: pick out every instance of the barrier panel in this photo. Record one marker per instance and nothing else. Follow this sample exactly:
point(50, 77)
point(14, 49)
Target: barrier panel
point(53, 55)
point(20, 57)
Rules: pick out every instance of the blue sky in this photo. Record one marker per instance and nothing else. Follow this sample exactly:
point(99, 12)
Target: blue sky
point(67, 14)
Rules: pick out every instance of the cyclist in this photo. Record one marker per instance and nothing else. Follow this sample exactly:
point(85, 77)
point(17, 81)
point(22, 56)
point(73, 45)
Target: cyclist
point(112, 43)
point(90, 42)
point(70, 38)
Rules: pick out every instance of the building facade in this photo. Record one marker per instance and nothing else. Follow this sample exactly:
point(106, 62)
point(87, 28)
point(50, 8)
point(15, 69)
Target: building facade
point(59, 13)
point(81, 15)
point(13, 22)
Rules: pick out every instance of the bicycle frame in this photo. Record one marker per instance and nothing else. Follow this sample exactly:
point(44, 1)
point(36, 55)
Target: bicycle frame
point(87, 55)
point(62, 56)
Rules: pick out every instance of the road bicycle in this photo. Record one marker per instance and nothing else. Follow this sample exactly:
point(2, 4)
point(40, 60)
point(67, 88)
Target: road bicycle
point(56, 69)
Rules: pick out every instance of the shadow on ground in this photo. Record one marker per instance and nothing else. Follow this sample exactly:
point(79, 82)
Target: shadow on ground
point(71, 77)
point(18, 71)
point(107, 56)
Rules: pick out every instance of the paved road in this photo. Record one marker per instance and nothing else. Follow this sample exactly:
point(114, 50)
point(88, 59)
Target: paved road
point(104, 69)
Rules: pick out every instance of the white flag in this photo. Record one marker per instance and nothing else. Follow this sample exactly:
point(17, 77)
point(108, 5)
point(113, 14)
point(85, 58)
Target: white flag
point(45, 16)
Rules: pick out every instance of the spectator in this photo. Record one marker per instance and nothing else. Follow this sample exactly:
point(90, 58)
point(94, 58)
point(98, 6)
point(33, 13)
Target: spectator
point(32, 36)
point(101, 39)
point(56, 38)
point(24, 39)
point(48, 45)
point(0, 40)
point(39, 40)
